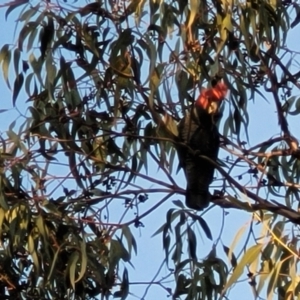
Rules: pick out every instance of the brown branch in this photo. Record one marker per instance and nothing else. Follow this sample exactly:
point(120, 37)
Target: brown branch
point(275, 85)
point(261, 203)
point(288, 75)
point(282, 210)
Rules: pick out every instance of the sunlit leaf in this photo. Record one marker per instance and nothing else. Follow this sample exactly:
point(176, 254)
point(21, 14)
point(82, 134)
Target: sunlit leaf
point(193, 12)
point(249, 256)
point(83, 260)
point(5, 57)
point(72, 264)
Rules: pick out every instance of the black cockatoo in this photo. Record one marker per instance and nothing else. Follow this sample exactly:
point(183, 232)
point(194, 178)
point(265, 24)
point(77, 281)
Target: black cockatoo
point(200, 136)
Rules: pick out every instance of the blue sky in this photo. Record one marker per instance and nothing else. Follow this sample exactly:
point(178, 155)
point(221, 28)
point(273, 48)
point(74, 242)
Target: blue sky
point(263, 125)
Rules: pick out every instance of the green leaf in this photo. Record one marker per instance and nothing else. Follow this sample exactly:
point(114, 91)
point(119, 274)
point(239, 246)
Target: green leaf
point(130, 239)
point(31, 39)
point(171, 216)
point(232, 257)
point(118, 251)
point(14, 5)
point(170, 124)
point(17, 55)
point(169, 219)
point(90, 8)
point(192, 241)
point(17, 87)
point(205, 227)
point(37, 67)
point(133, 170)
point(26, 30)
point(297, 19)
point(156, 77)
point(178, 203)
point(28, 79)
point(166, 244)
point(124, 288)
point(27, 14)
point(3, 203)
point(125, 39)
point(51, 72)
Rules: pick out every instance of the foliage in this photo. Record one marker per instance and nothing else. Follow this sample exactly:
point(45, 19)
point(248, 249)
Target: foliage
point(106, 83)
